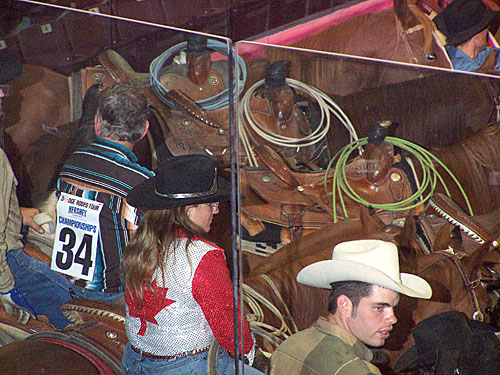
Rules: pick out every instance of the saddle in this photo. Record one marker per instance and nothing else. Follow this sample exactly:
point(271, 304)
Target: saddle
point(185, 129)
point(299, 200)
point(296, 126)
point(94, 347)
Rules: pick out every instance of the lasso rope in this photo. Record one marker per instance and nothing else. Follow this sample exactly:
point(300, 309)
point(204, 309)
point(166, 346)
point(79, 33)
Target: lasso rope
point(253, 299)
point(218, 101)
point(325, 103)
point(430, 176)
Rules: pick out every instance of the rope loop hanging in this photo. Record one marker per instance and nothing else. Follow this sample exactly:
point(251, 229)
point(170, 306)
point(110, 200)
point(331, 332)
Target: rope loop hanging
point(327, 107)
point(221, 100)
point(430, 177)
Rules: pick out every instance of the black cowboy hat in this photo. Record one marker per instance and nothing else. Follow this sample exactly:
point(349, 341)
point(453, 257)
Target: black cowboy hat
point(10, 68)
point(181, 181)
point(445, 342)
point(463, 19)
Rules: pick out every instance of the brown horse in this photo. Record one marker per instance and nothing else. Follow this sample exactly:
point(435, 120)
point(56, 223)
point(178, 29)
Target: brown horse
point(475, 162)
point(433, 108)
point(39, 103)
point(300, 305)
point(400, 33)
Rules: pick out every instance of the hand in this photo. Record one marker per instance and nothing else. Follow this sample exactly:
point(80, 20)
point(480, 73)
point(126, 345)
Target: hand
point(28, 215)
point(489, 63)
point(13, 300)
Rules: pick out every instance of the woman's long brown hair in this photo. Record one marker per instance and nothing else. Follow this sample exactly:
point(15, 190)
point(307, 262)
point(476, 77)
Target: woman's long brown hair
point(148, 248)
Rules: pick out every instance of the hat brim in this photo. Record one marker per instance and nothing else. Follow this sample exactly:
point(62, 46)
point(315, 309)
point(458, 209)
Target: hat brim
point(322, 274)
point(408, 361)
point(144, 196)
point(459, 38)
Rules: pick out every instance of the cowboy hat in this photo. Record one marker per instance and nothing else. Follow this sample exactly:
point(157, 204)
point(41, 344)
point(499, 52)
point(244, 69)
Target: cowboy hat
point(463, 19)
point(450, 341)
point(372, 261)
point(181, 181)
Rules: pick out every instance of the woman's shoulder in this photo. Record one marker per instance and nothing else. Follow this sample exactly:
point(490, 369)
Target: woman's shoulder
point(203, 246)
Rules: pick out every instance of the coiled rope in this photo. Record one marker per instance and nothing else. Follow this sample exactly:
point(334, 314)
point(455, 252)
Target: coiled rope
point(254, 302)
point(218, 101)
point(430, 176)
point(326, 105)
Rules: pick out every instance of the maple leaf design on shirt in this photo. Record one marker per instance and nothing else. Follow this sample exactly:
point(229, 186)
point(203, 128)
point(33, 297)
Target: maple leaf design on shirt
point(153, 303)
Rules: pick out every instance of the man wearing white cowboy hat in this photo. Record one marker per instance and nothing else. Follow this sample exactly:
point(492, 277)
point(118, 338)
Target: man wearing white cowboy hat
point(465, 24)
point(365, 285)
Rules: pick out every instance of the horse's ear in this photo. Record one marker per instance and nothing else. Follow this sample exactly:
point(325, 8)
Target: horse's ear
point(408, 247)
point(443, 238)
point(409, 231)
point(477, 258)
point(369, 223)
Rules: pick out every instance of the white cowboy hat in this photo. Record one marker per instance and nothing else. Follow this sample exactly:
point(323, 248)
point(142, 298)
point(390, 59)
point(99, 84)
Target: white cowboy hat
point(372, 261)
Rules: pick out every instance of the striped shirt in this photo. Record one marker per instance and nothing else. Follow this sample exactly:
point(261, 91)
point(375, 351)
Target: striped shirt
point(326, 349)
point(105, 172)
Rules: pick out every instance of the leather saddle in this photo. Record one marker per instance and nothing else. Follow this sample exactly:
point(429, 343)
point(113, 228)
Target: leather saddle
point(299, 199)
point(296, 126)
point(98, 330)
point(187, 128)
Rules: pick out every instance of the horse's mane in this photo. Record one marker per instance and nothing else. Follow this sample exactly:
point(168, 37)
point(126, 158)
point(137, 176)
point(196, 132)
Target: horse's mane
point(476, 164)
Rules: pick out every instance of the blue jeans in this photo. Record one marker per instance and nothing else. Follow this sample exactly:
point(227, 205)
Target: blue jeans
point(196, 364)
point(46, 290)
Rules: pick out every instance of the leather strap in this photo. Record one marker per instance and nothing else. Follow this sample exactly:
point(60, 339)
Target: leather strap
point(189, 107)
point(185, 354)
point(469, 286)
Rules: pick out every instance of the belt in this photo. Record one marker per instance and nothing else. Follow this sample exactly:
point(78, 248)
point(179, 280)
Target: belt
point(184, 354)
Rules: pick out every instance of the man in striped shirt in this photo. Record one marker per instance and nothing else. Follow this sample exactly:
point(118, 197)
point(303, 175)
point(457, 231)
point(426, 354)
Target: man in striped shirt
point(99, 176)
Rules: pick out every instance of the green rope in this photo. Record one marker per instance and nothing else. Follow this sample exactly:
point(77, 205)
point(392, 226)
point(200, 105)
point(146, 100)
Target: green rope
point(430, 177)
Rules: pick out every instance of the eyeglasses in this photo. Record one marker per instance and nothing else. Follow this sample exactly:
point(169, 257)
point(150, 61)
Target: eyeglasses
point(213, 204)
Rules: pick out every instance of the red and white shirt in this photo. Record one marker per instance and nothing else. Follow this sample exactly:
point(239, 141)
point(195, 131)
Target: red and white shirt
point(193, 304)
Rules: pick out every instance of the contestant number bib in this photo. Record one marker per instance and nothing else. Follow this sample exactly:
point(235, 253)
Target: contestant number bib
point(77, 232)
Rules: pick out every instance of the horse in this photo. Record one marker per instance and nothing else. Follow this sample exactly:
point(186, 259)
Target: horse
point(403, 32)
point(39, 102)
point(423, 101)
point(475, 162)
point(299, 306)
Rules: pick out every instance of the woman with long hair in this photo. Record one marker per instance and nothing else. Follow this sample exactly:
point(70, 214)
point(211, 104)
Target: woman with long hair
point(178, 289)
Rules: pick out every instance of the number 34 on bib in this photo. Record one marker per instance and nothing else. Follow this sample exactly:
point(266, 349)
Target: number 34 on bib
point(77, 232)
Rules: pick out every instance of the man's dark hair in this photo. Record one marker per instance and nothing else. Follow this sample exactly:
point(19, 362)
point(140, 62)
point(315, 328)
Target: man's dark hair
point(354, 290)
point(123, 111)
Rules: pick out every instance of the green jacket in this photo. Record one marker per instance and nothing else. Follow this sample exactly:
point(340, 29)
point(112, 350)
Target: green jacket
point(326, 349)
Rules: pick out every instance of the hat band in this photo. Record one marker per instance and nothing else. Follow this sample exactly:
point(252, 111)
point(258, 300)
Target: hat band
point(191, 195)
